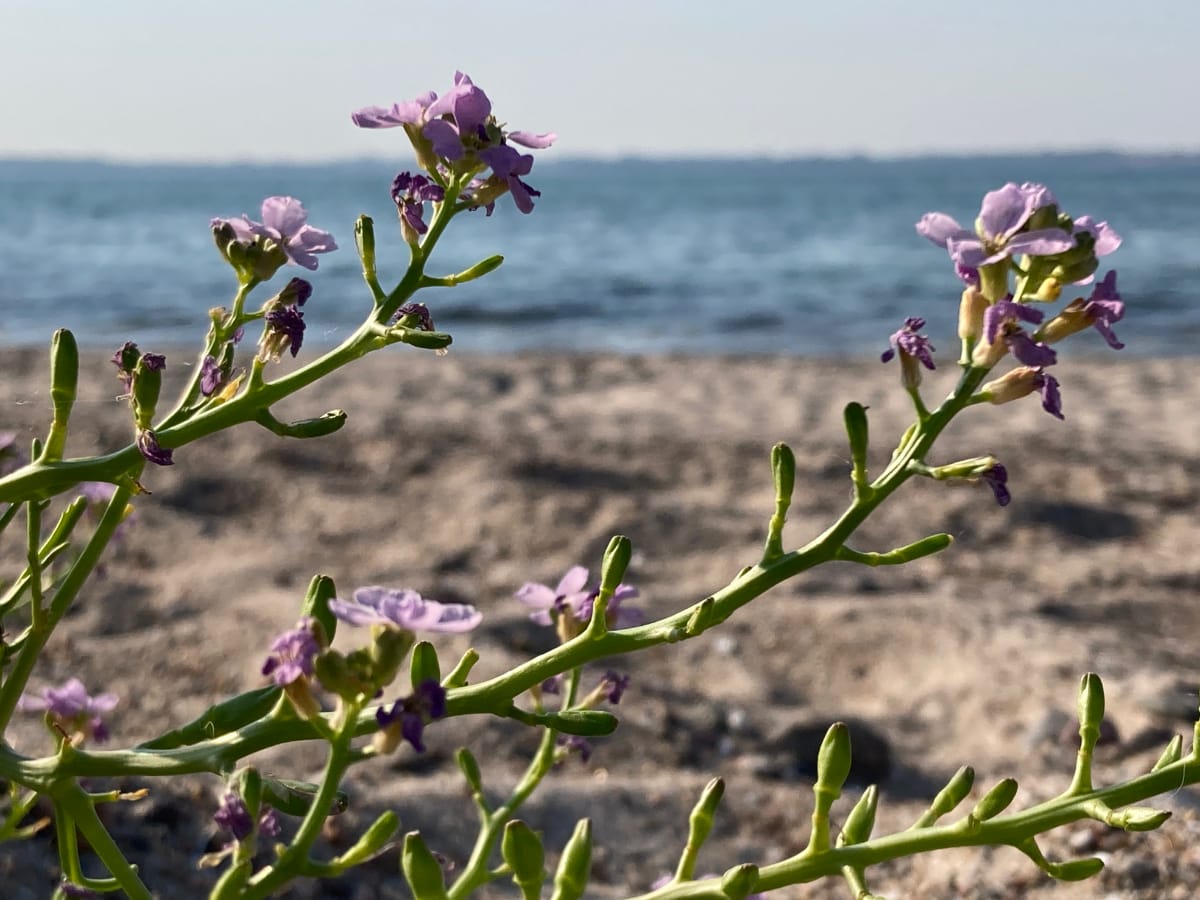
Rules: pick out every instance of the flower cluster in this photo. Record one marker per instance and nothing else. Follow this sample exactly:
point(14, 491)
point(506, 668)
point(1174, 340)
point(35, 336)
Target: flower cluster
point(456, 136)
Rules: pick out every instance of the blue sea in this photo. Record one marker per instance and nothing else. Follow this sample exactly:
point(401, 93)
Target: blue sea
point(804, 257)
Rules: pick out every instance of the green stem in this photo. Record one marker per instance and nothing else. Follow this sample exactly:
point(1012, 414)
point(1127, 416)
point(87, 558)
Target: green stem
point(33, 559)
point(71, 799)
point(293, 861)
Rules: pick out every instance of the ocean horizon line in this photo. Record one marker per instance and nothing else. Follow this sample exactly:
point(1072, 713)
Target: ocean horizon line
point(1162, 156)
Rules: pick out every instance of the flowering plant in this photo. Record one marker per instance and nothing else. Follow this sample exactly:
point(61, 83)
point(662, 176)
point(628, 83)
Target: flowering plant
point(1023, 254)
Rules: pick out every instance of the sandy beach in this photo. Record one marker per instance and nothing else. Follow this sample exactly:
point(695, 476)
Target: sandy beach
point(465, 476)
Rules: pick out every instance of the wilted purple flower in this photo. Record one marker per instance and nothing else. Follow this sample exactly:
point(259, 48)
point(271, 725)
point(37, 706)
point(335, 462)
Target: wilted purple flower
point(71, 889)
point(615, 684)
point(573, 743)
point(410, 194)
point(411, 715)
point(1047, 385)
point(997, 480)
point(125, 360)
point(285, 329)
point(297, 291)
point(617, 615)
point(998, 236)
point(149, 447)
point(210, 376)
point(11, 457)
point(908, 342)
point(568, 597)
point(552, 685)
point(1000, 320)
point(1104, 307)
point(233, 816)
point(405, 609)
point(420, 310)
point(72, 709)
point(155, 361)
point(292, 654)
point(284, 221)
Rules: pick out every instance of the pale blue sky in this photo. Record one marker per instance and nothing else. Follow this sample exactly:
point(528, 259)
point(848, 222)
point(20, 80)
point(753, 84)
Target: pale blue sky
point(160, 79)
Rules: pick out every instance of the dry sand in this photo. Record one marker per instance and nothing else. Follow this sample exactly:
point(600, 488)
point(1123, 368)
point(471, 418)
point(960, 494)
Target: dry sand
point(465, 476)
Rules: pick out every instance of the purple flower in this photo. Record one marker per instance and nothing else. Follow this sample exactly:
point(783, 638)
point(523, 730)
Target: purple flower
point(211, 376)
point(616, 614)
point(1104, 307)
point(997, 480)
point(998, 235)
point(285, 329)
point(615, 684)
point(507, 166)
point(284, 221)
point(967, 275)
point(292, 654)
point(1000, 320)
point(149, 447)
point(1051, 399)
point(420, 310)
point(573, 743)
point(568, 597)
point(1104, 239)
point(410, 194)
point(467, 110)
point(411, 112)
point(908, 342)
point(233, 816)
point(411, 715)
point(405, 609)
point(73, 710)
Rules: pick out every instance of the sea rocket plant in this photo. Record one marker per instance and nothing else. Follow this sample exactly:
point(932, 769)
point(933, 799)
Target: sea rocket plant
point(1023, 250)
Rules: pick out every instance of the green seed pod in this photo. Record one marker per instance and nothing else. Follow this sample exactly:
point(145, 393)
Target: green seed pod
point(481, 268)
point(64, 380)
point(364, 242)
point(426, 340)
point(926, 546)
point(316, 606)
point(247, 783)
point(459, 674)
point(522, 849)
point(833, 761)
point(1170, 755)
point(1076, 869)
point(615, 562)
point(855, 418)
point(388, 649)
point(469, 767)
point(220, 719)
point(949, 797)
point(424, 665)
point(373, 841)
point(1091, 704)
point(575, 864)
point(700, 822)
point(581, 722)
point(738, 882)
point(1138, 818)
point(421, 869)
point(147, 385)
point(295, 798)
point(861, 820)
point(996, 800)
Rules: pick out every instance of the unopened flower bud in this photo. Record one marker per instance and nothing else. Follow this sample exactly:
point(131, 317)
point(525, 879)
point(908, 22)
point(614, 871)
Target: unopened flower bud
point(1020, 382)
point(738, 882)
point(146, 386)
point(833, 761)
point(1138, 818)
point(996, 800)
point(861, 820)
point(1071, 320)
point(1049, 290)
point(575, 864)
point(949, 797)
point(421, 869)
point(970, 314)
point(373, 841)
point(424, 664)
point(522, 849)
